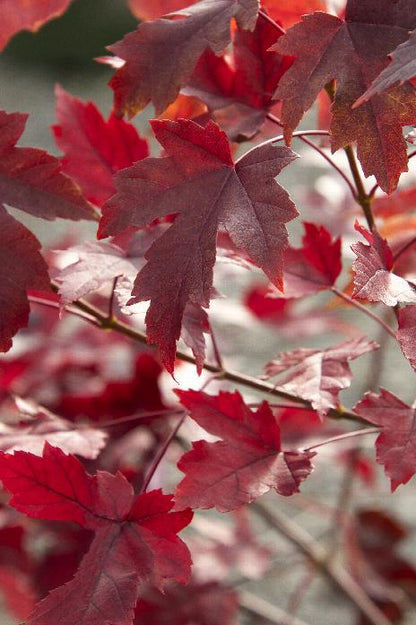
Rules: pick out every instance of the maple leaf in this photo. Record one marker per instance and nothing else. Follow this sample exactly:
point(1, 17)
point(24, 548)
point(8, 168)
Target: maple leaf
point(245, 464)
point(352, 51)
point(38, 425)
point(313, 267)
point(288, 12)
point(200, 181)
point(135, 539)
point(396, 445)
point(318, 375)
point(373, 278)
point(202, 604)
point(160, 56)
point(30, 179)
point(21, 267)
point(406, 333)
point(401, 68)
point(238, 87)
point(94, 148)
point(17, 15)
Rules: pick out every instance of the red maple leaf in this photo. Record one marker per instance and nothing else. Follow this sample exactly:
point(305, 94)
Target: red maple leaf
point(245, 464)
point(401, 68)
point(396, 445)
point(17, 15)
point(353, 51)
point(238, 87)
point(94, 148)
point(373, 278)
point(31, 180)
point(21, 268)
point(318, 375)
point(313, 267)
point(161, 55)
point(199, 180)
point(135, 539)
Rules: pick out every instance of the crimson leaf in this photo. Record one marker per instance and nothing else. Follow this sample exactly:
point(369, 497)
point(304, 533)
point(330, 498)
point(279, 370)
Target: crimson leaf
point(396, 445)
point(406, 334)
point(94, 148)
point(21, 267)
point(135, 539)
point(160, 56)
point(319, 375)
point(30, 179)
point(353, 51)
point(199, 180)
point(245, 464)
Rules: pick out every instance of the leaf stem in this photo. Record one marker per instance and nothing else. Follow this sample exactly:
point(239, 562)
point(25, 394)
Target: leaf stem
point(111, 300)
point(272, 613)
point(307, 141)
point(298, 133)
point(267, 18)
point(343, 437)
point(364, 310)
point(404, 249)
point(361, 196)
point(317, 555)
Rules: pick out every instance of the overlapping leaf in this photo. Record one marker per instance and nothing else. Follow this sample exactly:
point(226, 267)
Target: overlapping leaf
point(161, 55)
point(401, 68)
point(353, 51)
point(135, 539)
point(288, 12)
point(373, 278)
point(200, 181)
point(21, 268)
point(31, 179)
point(315, 266)
point(238, 87)
point(17, 15)
point(94, 149)
point(145, 10)
point(318, 375)
point(396, 445)
point(245, 464)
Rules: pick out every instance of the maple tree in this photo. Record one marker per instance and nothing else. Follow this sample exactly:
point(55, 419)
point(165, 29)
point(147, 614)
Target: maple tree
point(119, 431)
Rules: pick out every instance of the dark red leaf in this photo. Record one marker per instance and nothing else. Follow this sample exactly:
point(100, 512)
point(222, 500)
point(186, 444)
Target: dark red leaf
point(396, 445)
point(373, 278)
point(401, 68)
point(30, 179)
point(135, 539)
point(199, 180)
point(161, 55)
point(94, 149)
point(17, 15)
point(245, 464)
point(353, 52)
point(21, 268)
point(318, 375)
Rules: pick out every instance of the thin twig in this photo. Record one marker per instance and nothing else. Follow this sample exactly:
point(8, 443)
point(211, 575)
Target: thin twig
point(143, 416)
point(272, 613)
point(317, 555)
point(111, 300)
point(278, 138)
point(343, 437)
point(320, 151)
point(404, 249)
point(364, 310)
point(161, 453)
